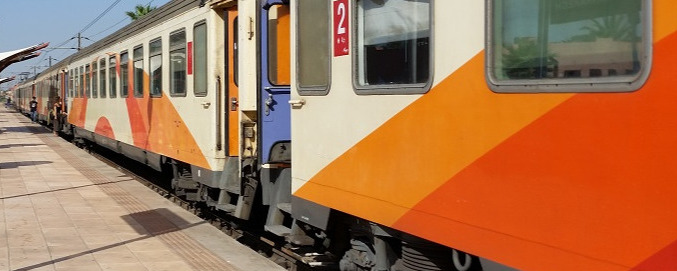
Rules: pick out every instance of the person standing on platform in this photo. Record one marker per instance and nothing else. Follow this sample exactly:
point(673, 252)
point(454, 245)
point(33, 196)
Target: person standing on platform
point(34, 109)
point(57, 115)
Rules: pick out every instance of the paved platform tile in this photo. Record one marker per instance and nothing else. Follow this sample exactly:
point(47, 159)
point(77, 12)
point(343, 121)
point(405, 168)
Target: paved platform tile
point(61, 209)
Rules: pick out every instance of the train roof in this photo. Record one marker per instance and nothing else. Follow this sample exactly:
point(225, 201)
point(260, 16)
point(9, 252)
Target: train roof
point(155, 17)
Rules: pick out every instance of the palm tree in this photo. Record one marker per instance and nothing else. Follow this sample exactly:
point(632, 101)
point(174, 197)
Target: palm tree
point(526, 60)
point(139, 11)
point(615, 27)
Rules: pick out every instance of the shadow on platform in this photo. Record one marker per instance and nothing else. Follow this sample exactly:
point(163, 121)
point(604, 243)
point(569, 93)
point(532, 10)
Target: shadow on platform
point(19, 145)
point(24, 129)
point(7, 165)
point(63, 189)
point(145, 219)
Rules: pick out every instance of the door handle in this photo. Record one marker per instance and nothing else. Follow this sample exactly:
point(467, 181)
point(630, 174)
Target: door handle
point(269, 103)
point(297, 104)
point(233, 104)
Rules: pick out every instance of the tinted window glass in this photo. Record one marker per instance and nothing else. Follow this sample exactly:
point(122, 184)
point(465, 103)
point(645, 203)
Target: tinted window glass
point(313, 45)
point(95, 80)
point(396, 35)
point(112, 77)
point(88, 82)
point(177, 66)
point(102, 77)
point(138, 72)
point(155, 49)
point(124, 74)
point(200, 60)
point(278, 45)
point(572, 41)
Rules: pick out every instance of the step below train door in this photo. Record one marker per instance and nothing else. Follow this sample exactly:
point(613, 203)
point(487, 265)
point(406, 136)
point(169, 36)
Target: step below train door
point(275, 115)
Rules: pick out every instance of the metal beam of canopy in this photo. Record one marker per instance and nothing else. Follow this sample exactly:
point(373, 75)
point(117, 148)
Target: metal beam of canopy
point(11, 57)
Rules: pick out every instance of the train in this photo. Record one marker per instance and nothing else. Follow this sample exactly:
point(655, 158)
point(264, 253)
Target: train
point(426, 135)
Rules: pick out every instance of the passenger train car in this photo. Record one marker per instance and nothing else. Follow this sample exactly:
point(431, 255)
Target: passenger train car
point(427, 135)
point(164, 91)
point(534, 134)
point(195, 91)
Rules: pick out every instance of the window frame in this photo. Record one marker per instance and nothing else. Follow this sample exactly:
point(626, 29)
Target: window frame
point(138, 93)
point(571, 85)
point(391, 89)
point(151, 73)
point(173, 48)
point(124, 80)
point(95, 79)
point(202, 23)
point(112, 77)
point(78, 82)
point(71, 93)
point(236, 51)
point(313, 90)
point(102, 78)
point(88, 81)
point(273, 69)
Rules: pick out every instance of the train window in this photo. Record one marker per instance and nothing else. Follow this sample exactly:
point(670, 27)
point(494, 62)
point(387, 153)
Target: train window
point(392, 53)
point(278, 45)
point(568, 46)
point(124, 74)
point(77, 83)
point(102, 77)
point(138, 71)
point(112, 77)
point(82, 82)
point(200, 59)
point(236, 50)
point(95, 79)
point(313, 47)
point(87, 82)
point(155, 53)
point(70, 83)
point(177, 65)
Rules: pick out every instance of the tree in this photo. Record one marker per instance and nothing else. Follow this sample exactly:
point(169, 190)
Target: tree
point(526, 60)
point(139, 11)
point(616, 27)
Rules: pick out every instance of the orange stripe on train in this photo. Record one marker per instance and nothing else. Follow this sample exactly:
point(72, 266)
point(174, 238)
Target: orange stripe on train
point(78, 111)
point(157, 126)
point(603, 163)
point(488, 196)
point(454, 115)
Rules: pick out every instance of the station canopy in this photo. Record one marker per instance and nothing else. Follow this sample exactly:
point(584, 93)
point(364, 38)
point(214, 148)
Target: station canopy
point(11, 57)
point(6, 79)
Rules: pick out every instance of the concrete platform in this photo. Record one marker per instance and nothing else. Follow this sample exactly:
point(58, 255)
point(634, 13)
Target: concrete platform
point(62, 209)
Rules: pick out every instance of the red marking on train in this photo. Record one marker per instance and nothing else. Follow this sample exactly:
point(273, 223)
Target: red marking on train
point(189, 49)
point(104, 128)
point(663, 260)
point(341, 28)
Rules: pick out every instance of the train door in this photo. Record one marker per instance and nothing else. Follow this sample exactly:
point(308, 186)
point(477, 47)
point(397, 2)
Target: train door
point(64, 90)
point(232, 112)
point(275, 115)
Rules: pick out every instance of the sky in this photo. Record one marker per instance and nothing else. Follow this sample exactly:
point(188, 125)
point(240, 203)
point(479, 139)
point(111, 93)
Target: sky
point(24, 23)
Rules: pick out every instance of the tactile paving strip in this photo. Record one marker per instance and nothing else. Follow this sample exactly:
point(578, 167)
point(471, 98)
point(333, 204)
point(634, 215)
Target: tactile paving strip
point(191, 251)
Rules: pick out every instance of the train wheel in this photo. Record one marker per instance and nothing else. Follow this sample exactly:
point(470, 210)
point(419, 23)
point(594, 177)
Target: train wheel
point(465, 262)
